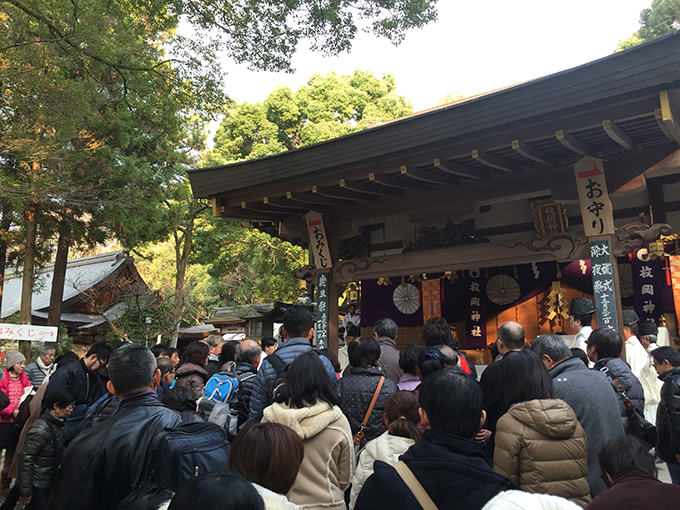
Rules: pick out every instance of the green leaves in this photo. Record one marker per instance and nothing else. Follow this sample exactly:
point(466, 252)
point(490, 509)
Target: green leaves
point(661, 19)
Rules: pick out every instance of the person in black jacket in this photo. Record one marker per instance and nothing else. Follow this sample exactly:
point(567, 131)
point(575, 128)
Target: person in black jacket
point(356, 389)
point(455, 472)
point(105, 463)
point(43, 450)
point(81, 378)
point(248, 355)
point(667, 364)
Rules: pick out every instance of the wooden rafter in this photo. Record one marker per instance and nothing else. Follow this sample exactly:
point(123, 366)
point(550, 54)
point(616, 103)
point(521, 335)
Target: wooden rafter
point(461, 170)
point(394, 182)
point(312, 198)
point(375, 189)
point(575, 145)
point(535, 154)
point(495, 162)
point(668, 117)
point(425, 176)
point(342, 193)
point(618, 135)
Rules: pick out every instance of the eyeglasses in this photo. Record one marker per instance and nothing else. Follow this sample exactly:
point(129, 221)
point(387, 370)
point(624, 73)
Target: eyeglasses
point(102, 364)
point(70, 407)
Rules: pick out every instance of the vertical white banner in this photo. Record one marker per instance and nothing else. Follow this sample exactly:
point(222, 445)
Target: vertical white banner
point(596, 208)
point(318, 241)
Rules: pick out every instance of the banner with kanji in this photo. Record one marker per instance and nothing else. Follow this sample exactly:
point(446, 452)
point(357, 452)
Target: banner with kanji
point(596, 208)
point(318, 242)
point(432, 298)
point(475, 309)
point(675, 281)
point(28, 333)
point(648, 281)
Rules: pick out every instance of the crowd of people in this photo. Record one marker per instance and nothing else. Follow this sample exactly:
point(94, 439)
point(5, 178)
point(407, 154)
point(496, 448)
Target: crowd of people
point(373, 428)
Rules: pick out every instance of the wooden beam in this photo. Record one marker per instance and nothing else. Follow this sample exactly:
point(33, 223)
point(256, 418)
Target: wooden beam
point(342, 193)
point(374, 189)
point(311, 198)
point(461, 170)
point(618, 135)
point(266, 208)
point(425, 176)
point(575, 145)
point(535, 154)
point(668, 117)
point(495, 162)
point(247, 214)
point(394, 182)
point(289, 204)
point(662, 126)
point(217, 207)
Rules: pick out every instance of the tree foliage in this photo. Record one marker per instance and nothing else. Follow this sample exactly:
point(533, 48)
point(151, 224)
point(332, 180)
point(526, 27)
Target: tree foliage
point(327, 107)
point(662, 18)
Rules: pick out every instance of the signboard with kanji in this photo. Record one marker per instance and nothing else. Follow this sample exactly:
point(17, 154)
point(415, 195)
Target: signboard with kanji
point(596, 208)
point(28, 333)
point(318, 242)
point(603, 283)
point(323, 281)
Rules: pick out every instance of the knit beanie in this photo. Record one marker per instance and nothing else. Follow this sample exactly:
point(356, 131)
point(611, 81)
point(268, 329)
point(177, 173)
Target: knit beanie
point(519, 500)
point(12, 358)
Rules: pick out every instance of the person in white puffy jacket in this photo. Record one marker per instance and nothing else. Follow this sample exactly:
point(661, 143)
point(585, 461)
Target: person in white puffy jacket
point(402, 419)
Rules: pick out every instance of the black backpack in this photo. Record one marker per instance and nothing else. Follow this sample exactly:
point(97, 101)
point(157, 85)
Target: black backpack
point(280, 367)
point(188, 450)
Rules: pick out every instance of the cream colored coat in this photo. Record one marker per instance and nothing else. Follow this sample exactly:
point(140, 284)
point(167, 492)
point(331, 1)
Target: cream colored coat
point(386, 448)
point(328, 465)
point(274, 501)
point(541, 446)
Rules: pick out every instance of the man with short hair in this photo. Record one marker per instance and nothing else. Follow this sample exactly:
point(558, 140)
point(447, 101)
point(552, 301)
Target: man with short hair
point(451, 468)
point(248, 354)
point(581, 312)
point(215, 342)
point(298, 327)
point(161, 351)
point(588, 393)
point(107, 462)
point(385, 331)
point(636, 356)
point(42, 367)
point(667, 364)
point(510, 338)
point(352, 318)
point(82, 379)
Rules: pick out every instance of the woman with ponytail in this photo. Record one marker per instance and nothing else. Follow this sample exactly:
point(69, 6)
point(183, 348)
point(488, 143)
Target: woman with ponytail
point(401, 418)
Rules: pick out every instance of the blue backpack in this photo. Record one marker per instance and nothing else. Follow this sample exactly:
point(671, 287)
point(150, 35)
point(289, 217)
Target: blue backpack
point(221, 386)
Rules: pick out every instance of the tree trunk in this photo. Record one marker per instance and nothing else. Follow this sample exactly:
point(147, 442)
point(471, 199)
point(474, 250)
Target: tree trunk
point(59, 275)
point(29, 262)
point(5, 223)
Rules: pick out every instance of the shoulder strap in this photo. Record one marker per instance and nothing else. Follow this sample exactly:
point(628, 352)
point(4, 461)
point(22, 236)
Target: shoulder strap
point(277, 364)
point(373, 401)
point(416, 488)
point(57, 451)
point(619, 388)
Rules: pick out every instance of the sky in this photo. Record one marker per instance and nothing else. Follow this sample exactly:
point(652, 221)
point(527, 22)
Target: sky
point(474, 47)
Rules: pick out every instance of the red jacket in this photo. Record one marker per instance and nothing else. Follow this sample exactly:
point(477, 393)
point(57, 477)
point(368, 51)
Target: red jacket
point(6, 413)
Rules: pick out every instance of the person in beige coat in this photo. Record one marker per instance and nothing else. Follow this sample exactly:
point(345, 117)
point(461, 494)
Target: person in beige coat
point(540, 445)
point(308, 404)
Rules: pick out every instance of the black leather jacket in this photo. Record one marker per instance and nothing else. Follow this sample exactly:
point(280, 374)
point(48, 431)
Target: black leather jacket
point(103, 464)
point(668, 417)
point(36, 465)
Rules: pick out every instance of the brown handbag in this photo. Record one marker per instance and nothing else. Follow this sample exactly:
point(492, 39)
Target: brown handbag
point(360, 435)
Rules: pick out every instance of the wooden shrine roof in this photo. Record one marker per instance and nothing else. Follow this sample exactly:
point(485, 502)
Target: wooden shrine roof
point(440, 163)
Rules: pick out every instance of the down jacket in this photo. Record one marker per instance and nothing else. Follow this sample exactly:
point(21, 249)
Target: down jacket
point(191, 376)
point(616, 368)
point(36, 464)
point(356, 392)
point(386, 448)
point(668, 417)
point(241, 399)
point(541, 446)
point(327, 466)
point(266, 376)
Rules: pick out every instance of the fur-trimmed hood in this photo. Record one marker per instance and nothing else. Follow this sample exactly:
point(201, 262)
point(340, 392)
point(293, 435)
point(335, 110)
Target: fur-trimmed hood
point(305, 422)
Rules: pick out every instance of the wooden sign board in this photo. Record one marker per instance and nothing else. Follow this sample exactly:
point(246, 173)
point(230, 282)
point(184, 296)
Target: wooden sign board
point(318, 242)
point(603, 283)
point(28, 333)
point(596, 208)
point(323, 281)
